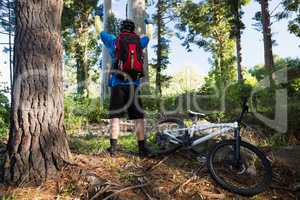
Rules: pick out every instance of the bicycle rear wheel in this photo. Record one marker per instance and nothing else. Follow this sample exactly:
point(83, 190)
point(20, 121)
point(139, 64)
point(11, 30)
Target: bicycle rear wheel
point(161, 143)
point(250, 176)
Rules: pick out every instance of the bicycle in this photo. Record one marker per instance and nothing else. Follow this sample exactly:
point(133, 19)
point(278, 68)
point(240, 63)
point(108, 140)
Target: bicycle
point(230, 162)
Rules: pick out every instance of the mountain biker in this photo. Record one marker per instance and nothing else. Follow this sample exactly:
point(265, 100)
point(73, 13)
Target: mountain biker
point(124, 92)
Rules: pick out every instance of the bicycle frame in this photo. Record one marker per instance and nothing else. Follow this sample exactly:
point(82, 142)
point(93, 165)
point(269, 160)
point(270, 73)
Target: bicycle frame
point(224, 127)
point(232, 153)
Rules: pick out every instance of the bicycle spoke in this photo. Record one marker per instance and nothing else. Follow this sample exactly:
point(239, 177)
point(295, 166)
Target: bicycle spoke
point(249, 175)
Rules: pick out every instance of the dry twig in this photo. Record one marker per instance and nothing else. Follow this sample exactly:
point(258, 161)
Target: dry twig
point(213, 195)
point(157, 164)
point(194, 176)
point(117, 192)
point(141, 181)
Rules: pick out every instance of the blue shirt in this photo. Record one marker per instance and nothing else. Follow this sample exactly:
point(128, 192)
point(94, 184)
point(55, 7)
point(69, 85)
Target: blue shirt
point(109, 41)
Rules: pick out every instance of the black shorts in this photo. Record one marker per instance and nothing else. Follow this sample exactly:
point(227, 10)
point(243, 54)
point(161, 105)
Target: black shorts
point(125, 99)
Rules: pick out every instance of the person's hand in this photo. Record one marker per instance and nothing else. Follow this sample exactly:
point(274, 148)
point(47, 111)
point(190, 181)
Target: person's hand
point(98, 24)
point(149, 27)
point(100, 10)
point(98, 18)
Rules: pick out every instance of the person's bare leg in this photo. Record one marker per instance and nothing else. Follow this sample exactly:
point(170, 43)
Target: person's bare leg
point(139, 129)
point(114, 134)
point(115, 128)
point(140, 134)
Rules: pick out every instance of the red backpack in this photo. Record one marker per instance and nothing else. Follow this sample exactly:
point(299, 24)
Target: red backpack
point(129, 55)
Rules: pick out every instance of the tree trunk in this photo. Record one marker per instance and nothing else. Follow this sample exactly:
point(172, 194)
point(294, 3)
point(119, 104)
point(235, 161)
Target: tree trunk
point(82, 67)
point(159, 48)
point(239, 57)
point(37, 146)
point(267, 35)
point(82, 73)
point(136, 12)
point(238, 41)
point(106, 62)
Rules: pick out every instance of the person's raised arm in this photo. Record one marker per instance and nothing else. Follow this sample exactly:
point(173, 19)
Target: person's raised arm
point(149, 27)
point(98, 19)
point(107, 39)
point(144, 41)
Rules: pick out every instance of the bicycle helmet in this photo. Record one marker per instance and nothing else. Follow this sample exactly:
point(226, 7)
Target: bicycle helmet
point(127, 26)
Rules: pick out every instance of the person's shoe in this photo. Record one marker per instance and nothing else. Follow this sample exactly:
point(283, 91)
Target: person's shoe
point(113, 147)
point(111, 151)
point(145, 152)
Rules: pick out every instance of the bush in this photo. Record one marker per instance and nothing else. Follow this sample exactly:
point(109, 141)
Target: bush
point(235, 94)
point(4, 113)
point(154, 104)
point(79, 112)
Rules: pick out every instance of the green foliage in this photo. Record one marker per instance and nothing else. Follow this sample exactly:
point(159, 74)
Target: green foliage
point(290, 64)
point(278, 140)
point(68, 189)
point(264, 101)
point(208, 25)
point(150, 104)
point(291, 10)
point(186, 80)
point(4, 112)
point(234, 96)
point(94, 145)
point(7, 21)
point(80, 42)
point(153, 105)
point(81, 111)
point(86, 145)
point(9, 197)
point(235, 9)
point(114, 24)
point(6, 9)
point(165, 13)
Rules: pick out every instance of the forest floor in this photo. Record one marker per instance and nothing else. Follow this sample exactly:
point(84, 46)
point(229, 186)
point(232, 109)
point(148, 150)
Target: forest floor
point(178, 176)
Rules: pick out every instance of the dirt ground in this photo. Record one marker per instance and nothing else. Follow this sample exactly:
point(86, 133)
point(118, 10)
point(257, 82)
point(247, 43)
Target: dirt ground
point(177, 177)
point(97, 175)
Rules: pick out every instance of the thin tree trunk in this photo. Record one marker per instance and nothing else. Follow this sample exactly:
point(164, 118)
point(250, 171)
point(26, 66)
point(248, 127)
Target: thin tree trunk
point(81, 73)
point(37, 146)
point(136, 12)
point(159, 47)
point(82, 67)
point(238, 41)
point(239, 56)
point(223, 75)
point(267, 35)
point(106, 62)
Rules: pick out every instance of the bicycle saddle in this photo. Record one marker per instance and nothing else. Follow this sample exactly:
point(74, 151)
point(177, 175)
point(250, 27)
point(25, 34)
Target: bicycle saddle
point(192, 113)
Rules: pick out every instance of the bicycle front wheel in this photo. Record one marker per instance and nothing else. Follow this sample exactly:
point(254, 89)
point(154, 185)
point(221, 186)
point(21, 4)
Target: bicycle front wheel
point(250, 175)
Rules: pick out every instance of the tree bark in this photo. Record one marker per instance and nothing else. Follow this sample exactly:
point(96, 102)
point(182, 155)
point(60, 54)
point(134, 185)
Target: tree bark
point(106, 62)
point(267, 35)
point(136, 12)
point(239, 56)
point(82, 66)
point(82, 72)
point(238, 41)
point(37, 146)
point(159, 48)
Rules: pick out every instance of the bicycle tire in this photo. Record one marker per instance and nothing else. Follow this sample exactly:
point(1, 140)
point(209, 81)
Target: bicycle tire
point(174, 147)
point(247, 191)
